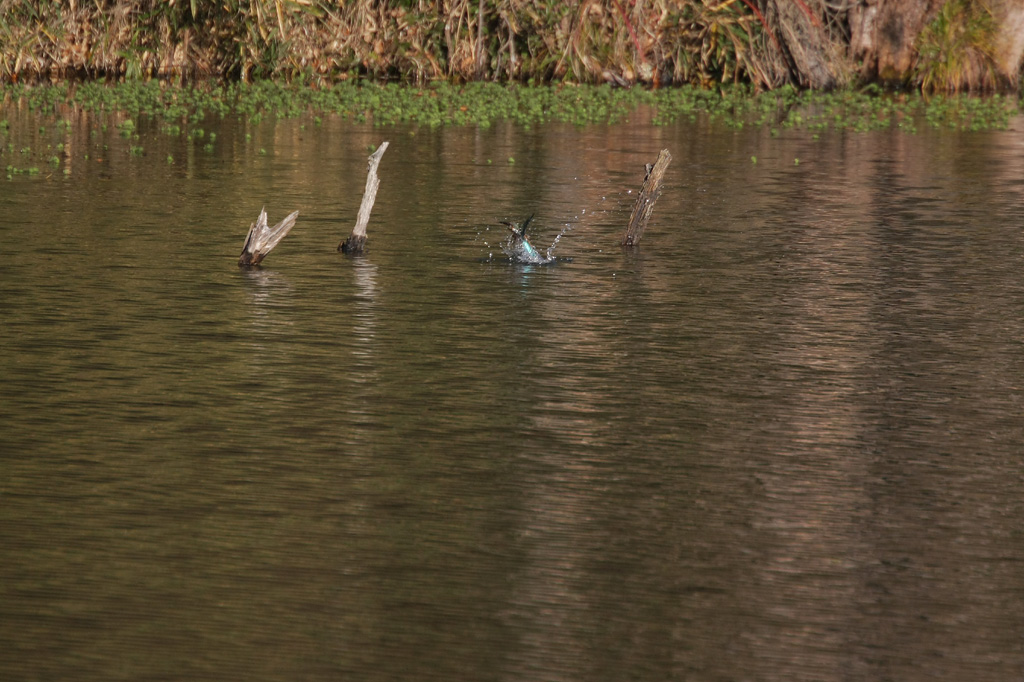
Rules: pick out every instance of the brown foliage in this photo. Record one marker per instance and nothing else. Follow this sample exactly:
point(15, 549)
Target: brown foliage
point(765, 42)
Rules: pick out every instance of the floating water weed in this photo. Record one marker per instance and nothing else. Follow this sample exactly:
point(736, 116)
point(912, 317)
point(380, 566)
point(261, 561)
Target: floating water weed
point(483, 104)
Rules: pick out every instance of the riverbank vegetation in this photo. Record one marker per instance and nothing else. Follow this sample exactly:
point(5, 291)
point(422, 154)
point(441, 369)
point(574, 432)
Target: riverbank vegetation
point(936, 45)
point(177, 107)
point(125, 72)
point(47, 130)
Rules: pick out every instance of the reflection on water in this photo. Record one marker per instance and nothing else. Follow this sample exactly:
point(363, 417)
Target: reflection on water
point(365, 280)
point(778, 442)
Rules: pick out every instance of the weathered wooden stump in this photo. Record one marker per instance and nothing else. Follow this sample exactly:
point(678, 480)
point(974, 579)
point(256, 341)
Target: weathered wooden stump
point(261, 238)
point(649, 193)
point(357, 240)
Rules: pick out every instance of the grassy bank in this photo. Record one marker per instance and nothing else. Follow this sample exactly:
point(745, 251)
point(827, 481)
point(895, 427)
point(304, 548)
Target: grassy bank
point(764, 43)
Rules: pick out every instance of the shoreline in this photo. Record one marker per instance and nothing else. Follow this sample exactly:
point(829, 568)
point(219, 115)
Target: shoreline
point(41, 124)
point(954, 46)
point(483, 104)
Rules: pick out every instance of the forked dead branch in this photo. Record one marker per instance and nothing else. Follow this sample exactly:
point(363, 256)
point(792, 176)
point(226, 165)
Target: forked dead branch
point(262, 239)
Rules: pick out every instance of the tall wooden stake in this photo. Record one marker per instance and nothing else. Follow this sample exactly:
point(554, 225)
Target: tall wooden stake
point(649, 193)
point(357, 240)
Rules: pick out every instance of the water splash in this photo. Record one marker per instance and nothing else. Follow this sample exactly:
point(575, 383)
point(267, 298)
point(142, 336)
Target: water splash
point(551, 249)
point(519, 249)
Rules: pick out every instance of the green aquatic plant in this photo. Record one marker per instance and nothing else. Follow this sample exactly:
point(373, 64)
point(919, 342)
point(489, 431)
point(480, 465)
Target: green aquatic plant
point(170, 110)
point(956, 50)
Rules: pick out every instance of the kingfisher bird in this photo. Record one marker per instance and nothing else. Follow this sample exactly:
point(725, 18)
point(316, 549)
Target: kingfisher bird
point(521, 248)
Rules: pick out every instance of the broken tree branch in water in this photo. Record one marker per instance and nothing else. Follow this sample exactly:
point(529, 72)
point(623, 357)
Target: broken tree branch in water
point(649, 193)
point(261, 239)
point(356, 240)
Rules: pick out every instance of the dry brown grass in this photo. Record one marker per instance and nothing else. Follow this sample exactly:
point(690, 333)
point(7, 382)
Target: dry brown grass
point(763, 42)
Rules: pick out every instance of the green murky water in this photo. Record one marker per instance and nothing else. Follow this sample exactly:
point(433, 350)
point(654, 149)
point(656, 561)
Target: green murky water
point(781, 441)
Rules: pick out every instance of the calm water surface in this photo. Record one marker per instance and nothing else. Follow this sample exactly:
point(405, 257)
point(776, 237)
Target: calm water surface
point(780, 441)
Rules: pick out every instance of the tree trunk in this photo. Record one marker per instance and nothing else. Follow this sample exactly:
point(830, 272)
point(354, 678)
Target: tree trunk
point(814, 59)
point(883, 33)
point(1009, 42)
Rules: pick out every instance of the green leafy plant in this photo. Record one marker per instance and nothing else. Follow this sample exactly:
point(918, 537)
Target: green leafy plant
point(955, 51)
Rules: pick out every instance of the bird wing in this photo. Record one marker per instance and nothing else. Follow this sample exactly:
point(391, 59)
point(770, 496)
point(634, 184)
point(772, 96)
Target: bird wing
point(526, 223)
